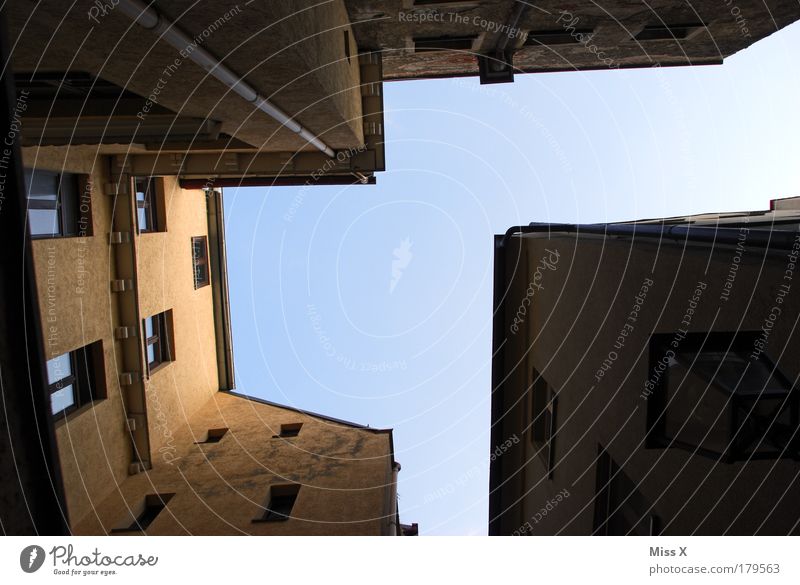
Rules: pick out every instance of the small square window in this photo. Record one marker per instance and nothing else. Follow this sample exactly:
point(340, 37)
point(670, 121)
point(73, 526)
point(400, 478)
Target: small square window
point(158, 338)
point(55, 206)
point(289, 430)
point(76, 378)
point(282, 499)
point(213, 436)
point(445, 43)
point(200, 261)
point(543, 420)
point(672, 32)
point(561, 36)
point(148, 511)
point(150, 211)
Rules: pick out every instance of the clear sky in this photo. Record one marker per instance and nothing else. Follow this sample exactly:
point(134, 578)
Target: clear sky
point(374, 303)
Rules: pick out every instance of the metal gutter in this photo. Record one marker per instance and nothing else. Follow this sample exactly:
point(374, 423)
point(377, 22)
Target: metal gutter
point(274, 181)
point(219, 288)
point(497, 402)
point(145, 16)
point(680, 233)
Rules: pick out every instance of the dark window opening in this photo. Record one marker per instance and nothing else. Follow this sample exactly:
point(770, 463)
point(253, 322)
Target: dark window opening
point(719, 396)
point(153, 505)
point(559, 36)
point(281, 501)
point(54, 205)
point(347, 44)
point(214, 436)
point(147, 211)
point(158, 337)
point(619, 508)
point(76, 378)
point(543, 420)
point(427, 2)
point(291, 430)
point(659, 32)
point(76, 85)
point(445, 43)
point(200, 261)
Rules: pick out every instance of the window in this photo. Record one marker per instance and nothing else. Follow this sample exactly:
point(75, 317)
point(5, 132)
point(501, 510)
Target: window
point(445, 43)
point(158, 340)
point(149, 205)
point(76, 379)
point(717, 395)
point(281, 501)
point(149, 511)
point(213, 436)
point(671, 32)
point(619, 508)
point(429, 2)
point(543, 420)
point(200, 261)
point(289, 430)
point(55, 208)
point(561, 36)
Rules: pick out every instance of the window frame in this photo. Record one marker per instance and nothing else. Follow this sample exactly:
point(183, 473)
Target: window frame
point(740, 343)
point(543, 420)
point(152, 203)
point(162, 339)
point(87, 378)
point(610, 478)
point(203, 261)
point(66, 205)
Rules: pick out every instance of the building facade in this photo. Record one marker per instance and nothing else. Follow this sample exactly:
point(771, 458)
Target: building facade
point(649, 370)
point(132, 285)
point(497, 38)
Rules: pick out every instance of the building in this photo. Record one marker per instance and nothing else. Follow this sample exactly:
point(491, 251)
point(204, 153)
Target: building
point(498, 38)
point(132, 286)
point(645, 376)
point(217, 92)
point(129, 120)
point(223, 93)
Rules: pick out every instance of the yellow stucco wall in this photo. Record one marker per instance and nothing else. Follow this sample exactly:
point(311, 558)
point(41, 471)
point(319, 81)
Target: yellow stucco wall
point(73, 276)
point(345, 472)
point(220, 488)
point(166, 282)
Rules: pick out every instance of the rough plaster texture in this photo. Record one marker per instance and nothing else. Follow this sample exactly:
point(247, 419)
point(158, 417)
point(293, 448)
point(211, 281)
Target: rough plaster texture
point(73, 276)
point(221, 487)
point(391, 25)
point(166, 282)
point(291, 54)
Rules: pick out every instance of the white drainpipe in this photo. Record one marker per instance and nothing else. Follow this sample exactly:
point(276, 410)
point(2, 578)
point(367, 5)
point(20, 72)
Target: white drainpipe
point(394, 527)
point(148, 18)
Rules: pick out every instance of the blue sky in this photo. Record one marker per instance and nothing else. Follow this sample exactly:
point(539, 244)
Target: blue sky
point(373, 303)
